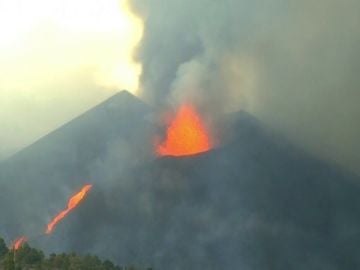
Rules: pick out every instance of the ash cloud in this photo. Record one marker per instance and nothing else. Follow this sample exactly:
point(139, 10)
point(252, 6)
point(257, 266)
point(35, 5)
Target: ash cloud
point(291, 63)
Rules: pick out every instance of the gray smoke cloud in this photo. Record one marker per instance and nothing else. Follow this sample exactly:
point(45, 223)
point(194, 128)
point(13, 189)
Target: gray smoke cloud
point(291, 63)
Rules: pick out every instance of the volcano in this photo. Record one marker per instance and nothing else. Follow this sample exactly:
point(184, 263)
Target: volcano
point(256, 202)
point(37, 181)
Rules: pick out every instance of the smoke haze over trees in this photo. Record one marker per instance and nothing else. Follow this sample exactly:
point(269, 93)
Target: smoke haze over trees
point(28, 258)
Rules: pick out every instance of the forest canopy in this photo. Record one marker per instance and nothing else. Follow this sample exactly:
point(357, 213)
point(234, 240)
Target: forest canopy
point(28, 258)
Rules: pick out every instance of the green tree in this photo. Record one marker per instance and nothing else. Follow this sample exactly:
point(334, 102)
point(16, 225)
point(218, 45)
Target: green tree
point(28, 255)
point(26, 258)
point(8, 261)
point(3, 248)
point(108, 265)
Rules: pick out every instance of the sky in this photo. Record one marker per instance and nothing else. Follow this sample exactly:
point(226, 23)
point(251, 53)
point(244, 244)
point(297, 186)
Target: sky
point(59, 58)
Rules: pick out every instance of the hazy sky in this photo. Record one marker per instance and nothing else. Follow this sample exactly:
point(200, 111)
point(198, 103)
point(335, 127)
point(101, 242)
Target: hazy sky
point(59, 58)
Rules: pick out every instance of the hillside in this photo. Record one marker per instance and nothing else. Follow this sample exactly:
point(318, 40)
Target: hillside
point(254, 202)
point(35, 181)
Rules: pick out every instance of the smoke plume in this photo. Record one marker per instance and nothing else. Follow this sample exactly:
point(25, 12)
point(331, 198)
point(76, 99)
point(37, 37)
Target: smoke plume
point(291, 63)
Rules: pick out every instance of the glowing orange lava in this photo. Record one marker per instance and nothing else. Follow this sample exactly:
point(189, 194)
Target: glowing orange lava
point(186, 134)
point(19, 242)
point(73, 202)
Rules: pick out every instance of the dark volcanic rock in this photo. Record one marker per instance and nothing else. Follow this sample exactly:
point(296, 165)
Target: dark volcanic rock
point(256, 202)
point(37, 179)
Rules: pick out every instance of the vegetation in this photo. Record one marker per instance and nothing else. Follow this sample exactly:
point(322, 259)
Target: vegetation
point(28, 258)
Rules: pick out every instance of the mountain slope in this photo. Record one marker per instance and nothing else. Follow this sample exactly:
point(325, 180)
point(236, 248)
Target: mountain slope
point(36, 180)
point(255, 203)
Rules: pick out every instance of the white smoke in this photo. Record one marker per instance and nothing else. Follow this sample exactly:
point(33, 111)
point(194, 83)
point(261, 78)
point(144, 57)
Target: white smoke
point(292, 63)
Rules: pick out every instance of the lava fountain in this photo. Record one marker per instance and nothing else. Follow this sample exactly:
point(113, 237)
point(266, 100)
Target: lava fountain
point(73, 203)
point(186, 134)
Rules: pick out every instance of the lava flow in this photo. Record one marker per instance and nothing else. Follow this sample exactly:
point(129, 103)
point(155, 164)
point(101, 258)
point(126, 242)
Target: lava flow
point(19, 242)
point(186, 135)
point(73, 202)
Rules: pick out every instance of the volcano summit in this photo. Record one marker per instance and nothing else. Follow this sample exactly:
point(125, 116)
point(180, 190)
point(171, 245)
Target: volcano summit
point(255, 202)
